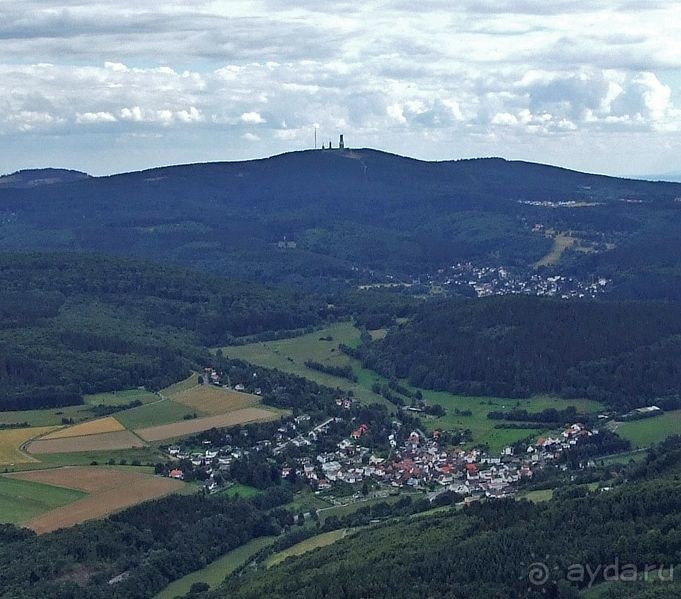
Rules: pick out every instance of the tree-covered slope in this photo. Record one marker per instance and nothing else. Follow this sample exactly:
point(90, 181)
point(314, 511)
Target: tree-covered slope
point(509, 549)
point(76, 323)
point(622, 353)
point(345, 211)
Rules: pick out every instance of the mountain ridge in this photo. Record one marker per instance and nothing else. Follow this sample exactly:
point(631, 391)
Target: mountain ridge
point(347, 215)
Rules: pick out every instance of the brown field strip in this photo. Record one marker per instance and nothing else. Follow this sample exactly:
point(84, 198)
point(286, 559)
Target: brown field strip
point(93, 427)
point(214, 400)
point(197, 425)
point(103, 441)
point(109, 490)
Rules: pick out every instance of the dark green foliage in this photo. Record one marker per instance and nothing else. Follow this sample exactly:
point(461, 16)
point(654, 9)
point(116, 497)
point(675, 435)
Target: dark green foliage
point(149, 545)
point(74, 323)
point(348, 214)
point(340, 371)
point(625, 354)
point(485, 551)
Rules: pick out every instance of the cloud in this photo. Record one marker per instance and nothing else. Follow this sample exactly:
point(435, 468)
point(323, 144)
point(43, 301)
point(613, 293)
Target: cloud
point(252, 118)
point(497, 72)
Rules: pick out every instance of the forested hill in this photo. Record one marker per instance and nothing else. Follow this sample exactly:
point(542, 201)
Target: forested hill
point(347, 211)
point(625, 354)
point(38, 177)
point(73, 324)
point(507, 549)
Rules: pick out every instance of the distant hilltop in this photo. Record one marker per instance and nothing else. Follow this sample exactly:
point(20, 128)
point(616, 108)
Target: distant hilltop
point(28, 178)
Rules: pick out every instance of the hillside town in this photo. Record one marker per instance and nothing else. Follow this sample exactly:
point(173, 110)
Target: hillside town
point(415, 461)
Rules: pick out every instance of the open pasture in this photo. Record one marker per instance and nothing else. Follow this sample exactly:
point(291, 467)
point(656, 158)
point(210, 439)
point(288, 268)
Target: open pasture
point(22, 500)
point(289, 355)
point(215, 572)
point(643, 433)
point(103, 441)
point(197, 425)
point(209, 399)
point(92, 427)
point(47, 417)
point(120, 398)
point(162, 411)
point(12, 440)
point(108, 490)
point(321, 540)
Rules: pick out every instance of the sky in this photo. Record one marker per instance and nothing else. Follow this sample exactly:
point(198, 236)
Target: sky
point(109, 86)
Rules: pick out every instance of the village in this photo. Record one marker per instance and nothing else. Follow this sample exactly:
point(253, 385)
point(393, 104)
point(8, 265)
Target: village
point(352, 465)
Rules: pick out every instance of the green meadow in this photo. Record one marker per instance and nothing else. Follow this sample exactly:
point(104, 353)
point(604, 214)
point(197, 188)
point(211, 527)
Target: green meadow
point(120, 398)
point(643, 433)
point(290, 355)
point(22, 500)
point(321, 540)
point(215, 572)
point(159, 412)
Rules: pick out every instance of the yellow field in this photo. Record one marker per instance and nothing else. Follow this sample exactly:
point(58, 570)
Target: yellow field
point(93, 427)
point(214, 400)
point(12, 440)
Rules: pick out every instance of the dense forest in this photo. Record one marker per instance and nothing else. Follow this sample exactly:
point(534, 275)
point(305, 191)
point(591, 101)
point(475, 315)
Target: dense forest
point(75, 323)
point(507, 548)
point(146, 547)
point(348, 215)
point(621, 353)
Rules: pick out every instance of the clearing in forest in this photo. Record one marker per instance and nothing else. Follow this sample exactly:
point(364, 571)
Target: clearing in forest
point(322, 540)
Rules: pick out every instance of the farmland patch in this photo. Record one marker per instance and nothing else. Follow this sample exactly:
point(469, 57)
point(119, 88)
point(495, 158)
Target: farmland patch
point(103, 441)
point(108, 489)
point(197, 425)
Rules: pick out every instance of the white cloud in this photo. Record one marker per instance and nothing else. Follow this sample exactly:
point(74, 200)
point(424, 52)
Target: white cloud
point(94, 117)
point(495, 75)
point(253, 118)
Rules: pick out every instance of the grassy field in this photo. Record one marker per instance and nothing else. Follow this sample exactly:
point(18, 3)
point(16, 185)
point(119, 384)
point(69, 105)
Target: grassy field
point(120, 398)
point(22, 500)
point(191, 381)
point(215, 572)
point(51, 417)
point(192, 426)
point(243, 491)
point(144, 455)
point(290, 355)
point(91, 427)
point(157, 413)
point(209, 399)
point(11, 441)
point(643, 433)
point(107, 490)
point(344, 510)
point(123, 439)
point(322, 540)
point(561, 242)
point(537, 496)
